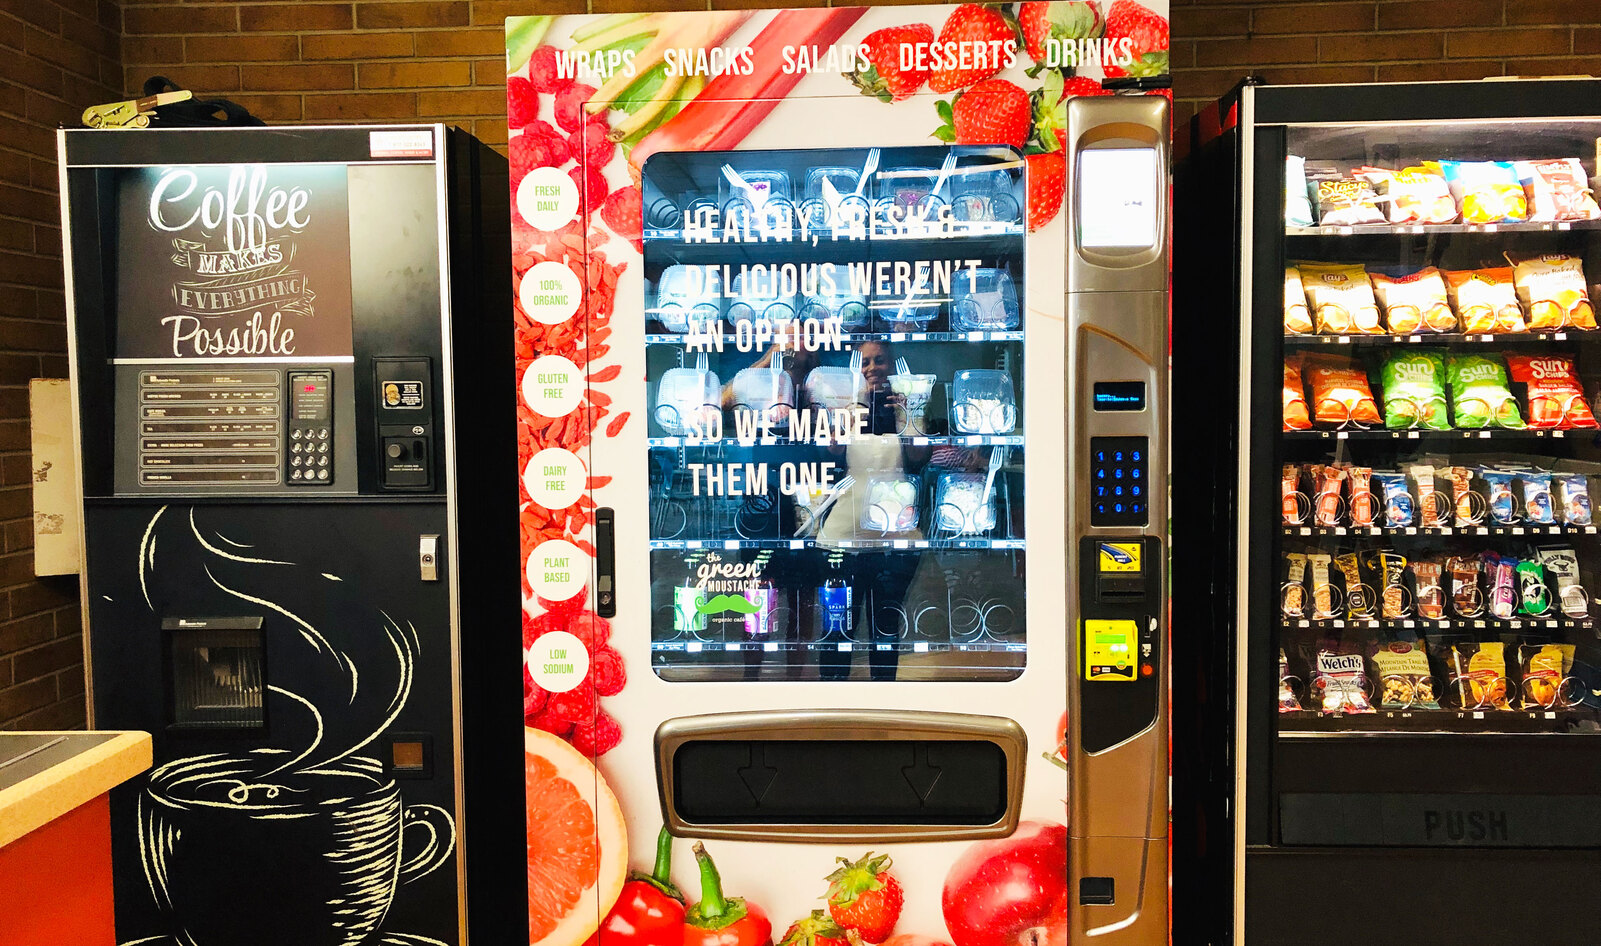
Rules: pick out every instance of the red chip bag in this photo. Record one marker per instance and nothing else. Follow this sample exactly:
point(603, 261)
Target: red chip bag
point(1556, 400)
point(1295, 415)
point(1340, 392)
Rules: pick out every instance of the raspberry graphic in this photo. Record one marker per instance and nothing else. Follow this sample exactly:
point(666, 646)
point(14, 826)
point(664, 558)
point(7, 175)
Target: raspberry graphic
point(535, 628)
point(551, 723)
point(590, 628)
point(589, 145)
point(575, 604)
point(592, 188)
point(576, 705)
point(622, 212)
point(534, 149)
point(597, 737)
point(522, 102)
point(534, 699)
point(542, 71)
point(570, 114)
point(607, 673)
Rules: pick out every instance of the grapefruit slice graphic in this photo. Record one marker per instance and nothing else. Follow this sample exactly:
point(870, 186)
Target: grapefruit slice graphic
point(577, 842)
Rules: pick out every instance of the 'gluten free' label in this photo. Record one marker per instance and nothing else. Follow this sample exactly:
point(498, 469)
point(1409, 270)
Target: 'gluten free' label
point(557, 661)
point(557, 569)
point(549, 292)
point(552, 386)
point(554, 478)
point(547, 199)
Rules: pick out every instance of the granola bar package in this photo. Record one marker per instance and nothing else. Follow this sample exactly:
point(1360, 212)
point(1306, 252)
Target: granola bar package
point(1361, 505)
point(1404, 681)
point(1537, 502)
point(1340, 391)
point(1430, 595)
point(1341, 297)
point(1467, 600)
point(1297, 319)
point(1555, 397)
point(1485, 191)
point(1485, 300)
point(1534, 598)
point(1413, 383)
point(1430, 512)
point(1292, 499)
point(1292, 600)
point(1328, 505)
point(1323, 601)
point(1562, 565)
point(1340, 682)
point(1480, 675)
point(1360, 604)
point(1411, 195)
point(1394, 599)
point(1552, 287)
point(1557, 189)
point(1502, 504)
point(1481, 393)
point(1399, 510)
point(1502, 575)
point(1413, 302)
point(1295, 411)
point(1465, 503)
point(1573, 498)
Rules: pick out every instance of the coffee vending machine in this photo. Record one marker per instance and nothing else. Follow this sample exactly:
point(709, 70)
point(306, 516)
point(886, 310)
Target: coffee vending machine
point(283, 342)
point(857, 435)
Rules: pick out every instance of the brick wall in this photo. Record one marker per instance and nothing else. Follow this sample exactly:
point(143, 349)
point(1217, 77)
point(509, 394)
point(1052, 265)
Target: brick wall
point(58, 56)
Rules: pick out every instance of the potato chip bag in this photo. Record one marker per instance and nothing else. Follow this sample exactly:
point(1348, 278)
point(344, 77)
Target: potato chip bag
point(1297, 204)
point(1295, 415)
point(1556, 400)
point(1557, 189)
point(1414, 302)
point(1485, 301)
point(1552, 288)
point(1413, 383)
point(1480, 675)
point(1296, 319)
point(1485, 191)
point(1542, 675)
point(1341, 298)
point(1412, 195)
point(1342, 199)
point(1340, 391)
point(1480, 393)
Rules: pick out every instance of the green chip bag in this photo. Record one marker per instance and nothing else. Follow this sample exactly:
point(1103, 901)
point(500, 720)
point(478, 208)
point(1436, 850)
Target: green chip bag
point(1414, 389)
point(1480, 393)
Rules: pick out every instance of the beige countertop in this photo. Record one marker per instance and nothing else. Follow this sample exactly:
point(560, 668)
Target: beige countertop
point(44, 775)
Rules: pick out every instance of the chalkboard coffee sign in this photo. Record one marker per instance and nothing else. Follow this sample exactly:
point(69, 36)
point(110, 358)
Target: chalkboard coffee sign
point(235, 262)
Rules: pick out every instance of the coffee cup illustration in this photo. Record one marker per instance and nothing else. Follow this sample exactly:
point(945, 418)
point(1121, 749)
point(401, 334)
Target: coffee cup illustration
point(310, 856)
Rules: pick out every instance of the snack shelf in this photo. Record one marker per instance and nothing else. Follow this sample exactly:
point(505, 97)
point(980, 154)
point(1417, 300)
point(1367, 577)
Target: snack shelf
point(830, 646)
point(1432, 229)
point(1440, 338)
point(1477, 433)
point(1427, 532)
point(728, 338)
point(1447, 624)
point(960, 440)
point(1449, 720)
point(886, 543)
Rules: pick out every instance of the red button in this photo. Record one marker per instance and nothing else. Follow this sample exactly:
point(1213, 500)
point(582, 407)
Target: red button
point(1146, 670)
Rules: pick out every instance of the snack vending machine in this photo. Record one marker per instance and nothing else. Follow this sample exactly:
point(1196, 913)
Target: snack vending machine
point(1411, 584)
point(844, 458)
point(284, 343)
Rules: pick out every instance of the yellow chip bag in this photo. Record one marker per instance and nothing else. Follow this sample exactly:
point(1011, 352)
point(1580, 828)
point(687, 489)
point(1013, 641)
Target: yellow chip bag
point(1552, 288)
point(1341, 298)
point(1296, 319)
point(1413, 302)
point(1484, 300)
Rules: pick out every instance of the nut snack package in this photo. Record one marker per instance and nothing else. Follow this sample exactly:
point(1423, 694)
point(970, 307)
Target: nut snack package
point(1401, 668)
point(1551, 286)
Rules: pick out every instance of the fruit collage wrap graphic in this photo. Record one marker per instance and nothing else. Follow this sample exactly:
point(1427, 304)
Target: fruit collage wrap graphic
point(589, 100)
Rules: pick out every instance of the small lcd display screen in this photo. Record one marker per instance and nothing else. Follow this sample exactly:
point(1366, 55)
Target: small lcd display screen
point(1119, 395)
point(1118, 196)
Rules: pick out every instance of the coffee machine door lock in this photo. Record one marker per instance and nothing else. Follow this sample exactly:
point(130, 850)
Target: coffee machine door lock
point(428, 557)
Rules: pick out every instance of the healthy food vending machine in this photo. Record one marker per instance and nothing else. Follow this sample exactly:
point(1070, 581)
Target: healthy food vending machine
point(1406, 550)
point(844, 459)
point(284, 343)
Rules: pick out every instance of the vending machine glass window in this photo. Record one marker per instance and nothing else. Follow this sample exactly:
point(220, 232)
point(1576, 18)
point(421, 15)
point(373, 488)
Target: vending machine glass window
point(836, 453)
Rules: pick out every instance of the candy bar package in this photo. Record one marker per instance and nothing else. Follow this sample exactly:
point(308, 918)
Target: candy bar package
point(1502, 504)
point(1411, 195)
point(1404, 681)
point(1485, 191)
point(1562, 565)
point(1323, 603)
point(1341, 297)
point(1481, 395)
point(1537, 504)
point(1328, 505)
point(1466, 505)
point(1430, 511)
point(1415, 302)
point(1413, 384)
point(1485, 300)
point(1292, 600)
point(1297, 203)
point(1288, 701)
point(1343, 200)
point(1501, 574)
point(1398, 508)
point(1339, 682)
point(1467, 600)
point(1295, 411)
point(1542, 668)
point(1557, 189)
point(1552, 288)
point(1297, 320)
point(1554, 395)
point(1534, 598)
point(1359, 598)
point(1573, 497)
point(1361, 504)
point(1340, 391)
point(1480, 675)
point(1395, 602)
point(1430, 595)
point(1293, 499)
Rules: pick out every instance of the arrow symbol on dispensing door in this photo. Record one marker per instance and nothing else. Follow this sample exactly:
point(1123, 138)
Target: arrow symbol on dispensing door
point(920, 774)
point(758, 778)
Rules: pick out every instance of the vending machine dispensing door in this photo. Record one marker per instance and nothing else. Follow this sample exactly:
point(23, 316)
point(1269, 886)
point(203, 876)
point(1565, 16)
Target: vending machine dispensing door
point(1117, 308)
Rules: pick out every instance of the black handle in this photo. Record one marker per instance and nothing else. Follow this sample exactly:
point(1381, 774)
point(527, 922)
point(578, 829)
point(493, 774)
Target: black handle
point(605, 563)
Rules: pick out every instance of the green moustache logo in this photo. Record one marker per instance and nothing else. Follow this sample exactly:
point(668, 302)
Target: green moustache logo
point(721, 603)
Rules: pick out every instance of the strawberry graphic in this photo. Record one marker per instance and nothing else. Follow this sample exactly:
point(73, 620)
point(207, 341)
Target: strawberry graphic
point(885, 79)
point(1146, 33)
point(1050, 106)
point(1047, 182)
point(975, 26)
point(863, 896)
point(992, 112)
point(1042, 21)
point(819, 929)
